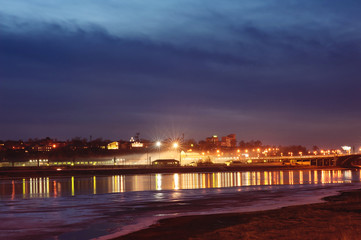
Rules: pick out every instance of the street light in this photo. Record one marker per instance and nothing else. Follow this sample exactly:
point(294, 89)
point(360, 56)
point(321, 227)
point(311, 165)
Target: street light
point(158, 144)
point(175, 146)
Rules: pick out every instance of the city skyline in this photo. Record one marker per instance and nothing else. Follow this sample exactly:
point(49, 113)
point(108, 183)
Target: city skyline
point(282, 72)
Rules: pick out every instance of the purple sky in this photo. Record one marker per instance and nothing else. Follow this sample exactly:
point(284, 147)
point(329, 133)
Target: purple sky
point(284, 72)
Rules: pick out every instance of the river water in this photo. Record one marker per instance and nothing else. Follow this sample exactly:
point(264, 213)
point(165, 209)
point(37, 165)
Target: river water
point(87, 207)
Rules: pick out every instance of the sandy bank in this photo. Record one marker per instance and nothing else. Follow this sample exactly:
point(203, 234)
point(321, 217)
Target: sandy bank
point(337, 218)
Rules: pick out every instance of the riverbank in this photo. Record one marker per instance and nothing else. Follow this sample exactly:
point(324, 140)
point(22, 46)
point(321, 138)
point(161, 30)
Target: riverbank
point(337, 218)
point(116, 170)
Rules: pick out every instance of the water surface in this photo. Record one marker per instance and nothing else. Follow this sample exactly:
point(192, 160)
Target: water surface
point(85, 207)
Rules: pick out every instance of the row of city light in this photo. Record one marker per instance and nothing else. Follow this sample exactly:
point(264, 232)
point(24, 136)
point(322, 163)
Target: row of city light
point(265, 151)
point(159, 144)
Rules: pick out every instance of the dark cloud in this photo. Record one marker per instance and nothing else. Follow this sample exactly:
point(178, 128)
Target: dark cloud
point(281, 84)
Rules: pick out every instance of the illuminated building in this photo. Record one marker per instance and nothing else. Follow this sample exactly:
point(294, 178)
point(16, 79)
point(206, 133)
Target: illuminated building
point(213, 140)
point(229, 141)
point(113, 146)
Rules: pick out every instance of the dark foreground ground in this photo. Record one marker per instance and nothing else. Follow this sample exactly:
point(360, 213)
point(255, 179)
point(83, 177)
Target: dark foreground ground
point(338, 218)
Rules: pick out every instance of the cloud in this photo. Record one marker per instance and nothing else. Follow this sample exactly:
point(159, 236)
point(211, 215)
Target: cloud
point(123, 65)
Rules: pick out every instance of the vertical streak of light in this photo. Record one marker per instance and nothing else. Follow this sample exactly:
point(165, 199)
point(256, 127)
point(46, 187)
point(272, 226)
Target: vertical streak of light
point(229, 179)
point(31, 187)
point(41, 187)
point(122, 183)
point(116, 183)
point(213, 180)
point(199, 180)
point(176, 181)
point(193, 180)
point(329, 175)
point(36, 192)
point(189, 181)
point(291, 177)
point(47, 188)
point(239, 183)
point(265, 178)
point(72, 186)
point(315, 178)
point(158, 178)
point(270, 178)
point(281, 178)
point(224, 179)
point(248, 178)
point(209, 180)
point(112, 184)
point(203, 180)
point(301, 177)
point(13, 190)
point(55, 189)
point(24, 187)
point(94, 185)
point(323, 177)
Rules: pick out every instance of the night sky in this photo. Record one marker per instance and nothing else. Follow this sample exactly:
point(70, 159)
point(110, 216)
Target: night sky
point(282, 71)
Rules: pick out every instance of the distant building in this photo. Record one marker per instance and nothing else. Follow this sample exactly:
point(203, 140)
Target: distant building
point(42, 148)
point(229, 141)
point(113, 146)
point(212, 140)
point(137, 145)
point(134, 143)
point(166, 163)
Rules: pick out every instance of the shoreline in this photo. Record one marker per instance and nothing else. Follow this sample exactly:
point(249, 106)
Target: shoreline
point(51, 171)
point(339, 217)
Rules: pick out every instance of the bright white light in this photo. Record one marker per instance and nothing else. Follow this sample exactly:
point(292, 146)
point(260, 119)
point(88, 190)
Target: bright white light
point(175, 145)
point(158, 144)
point(346, 148)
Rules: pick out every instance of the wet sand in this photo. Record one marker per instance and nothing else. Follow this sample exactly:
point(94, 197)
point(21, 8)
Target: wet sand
point(337, 218)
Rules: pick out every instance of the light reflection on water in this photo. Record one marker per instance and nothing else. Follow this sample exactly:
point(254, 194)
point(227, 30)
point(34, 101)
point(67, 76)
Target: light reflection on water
point(53, 187)
point(79, 207)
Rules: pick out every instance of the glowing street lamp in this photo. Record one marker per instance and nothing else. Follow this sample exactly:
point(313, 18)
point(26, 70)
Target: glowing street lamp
point(158, 144)
point(347, 149)
point(175, 146)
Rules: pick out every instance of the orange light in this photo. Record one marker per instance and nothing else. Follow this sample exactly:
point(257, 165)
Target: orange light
point(54, 146)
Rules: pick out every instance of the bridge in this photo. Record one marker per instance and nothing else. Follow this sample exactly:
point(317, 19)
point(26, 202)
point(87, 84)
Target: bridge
point(340, 160)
